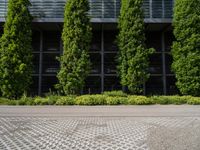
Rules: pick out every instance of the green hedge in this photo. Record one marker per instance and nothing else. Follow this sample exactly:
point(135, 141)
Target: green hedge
point(107, 98)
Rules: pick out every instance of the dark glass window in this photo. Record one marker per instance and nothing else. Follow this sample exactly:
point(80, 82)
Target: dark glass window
point(109, 41)
point(48, 83)
point(36, 61)
point(168, 61)
point(93, 85)
point(34, 86)
point(169, 38)
point(153, 40)
point(110, 63)
point(96, 63)
point(51, 41)
point(111, 83)
point(50, 63)
point(36, 40)
point(171, 85)
point(154, 85)
point(155, 66)
point(96, 41)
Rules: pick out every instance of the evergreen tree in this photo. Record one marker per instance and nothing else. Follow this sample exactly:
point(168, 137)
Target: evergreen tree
point(133, 55)
point(76, 38)
point(15, 50)
point(186, 48)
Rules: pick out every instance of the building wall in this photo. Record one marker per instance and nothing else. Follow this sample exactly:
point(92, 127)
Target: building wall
point(103, 54)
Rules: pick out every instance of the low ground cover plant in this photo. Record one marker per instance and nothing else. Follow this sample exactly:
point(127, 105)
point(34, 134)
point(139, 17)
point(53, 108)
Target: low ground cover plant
point(107, 98)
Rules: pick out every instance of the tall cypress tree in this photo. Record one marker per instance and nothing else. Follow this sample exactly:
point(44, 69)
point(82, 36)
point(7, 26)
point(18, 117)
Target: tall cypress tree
point(76, 38)
point(15, 50)
point(186, 48)
point(133, 55)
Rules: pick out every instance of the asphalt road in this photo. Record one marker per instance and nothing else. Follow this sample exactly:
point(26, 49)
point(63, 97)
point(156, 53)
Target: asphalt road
point(100, 127)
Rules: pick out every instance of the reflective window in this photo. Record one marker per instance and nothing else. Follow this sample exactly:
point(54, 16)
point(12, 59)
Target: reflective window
point(96, 41)
point(95, 60)
point(153, 40)
point(110, 63)
point(92, 85)
point(36, 62)
point(111, 83)
point(154, 85)
point(36, 40)
point(171, 85)
point(51, 41)
point(155, 66)
point(50, 63)
point(48, 83)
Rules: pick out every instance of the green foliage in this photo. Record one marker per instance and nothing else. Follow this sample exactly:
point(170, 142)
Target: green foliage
point(133, 55)
point(116, 100)
point(76, 38)
point(139, 100)
point(100, 99)
point(186, 48)
point(16, 51)
point(115, 93)
point(91, 100)
point(66, 100)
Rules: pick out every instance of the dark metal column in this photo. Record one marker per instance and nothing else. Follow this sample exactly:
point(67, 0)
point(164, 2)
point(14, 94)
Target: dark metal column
point(40, 64)
point(102, 58)
point(164, 64)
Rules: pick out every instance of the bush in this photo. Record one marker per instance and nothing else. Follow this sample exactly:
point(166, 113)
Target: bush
point(194, 101)
point(41, 101)
point(139, 100)
point(116, 100)
point(66, 100)
point(115, 93)
point(91, 100)
point(25, 101)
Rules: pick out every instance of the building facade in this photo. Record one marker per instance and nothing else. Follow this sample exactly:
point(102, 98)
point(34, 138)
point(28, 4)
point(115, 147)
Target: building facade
point(47, 45)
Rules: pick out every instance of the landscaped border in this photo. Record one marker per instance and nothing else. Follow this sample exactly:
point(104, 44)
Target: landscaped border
point(107, 98)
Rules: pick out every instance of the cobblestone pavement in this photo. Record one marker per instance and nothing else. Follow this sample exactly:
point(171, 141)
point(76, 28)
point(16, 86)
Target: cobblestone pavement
point(98, 132)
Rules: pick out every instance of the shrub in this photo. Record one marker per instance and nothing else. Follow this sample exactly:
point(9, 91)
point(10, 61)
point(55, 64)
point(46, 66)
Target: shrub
point(41, 101)
point(76, 38)
point(66, 100)
point(115, 93)
point(116, 100)
point(25, 101)
point(194, 101)
point(133, 55)
point(186, 48)
point(91, 100)
point(139, 100)
point(16, 50)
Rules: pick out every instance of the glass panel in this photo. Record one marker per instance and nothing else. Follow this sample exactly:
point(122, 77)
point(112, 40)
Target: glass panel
point(111, 83)
point(34, 86)
point(109, 9)
point(36, 40)
point(168, 8)
point(153, 40)
point(169, 38)
point(96, 63)
point(157, 8)
point(96, 41)
point(109, 41)
point(169, 60)
point(155, 66)
point(50, 63)
point(93, 85)
point(48, 83)
point(110, 63)
point(171, 85)
point(154, 85)
point(36, 61)
point(51, 41)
